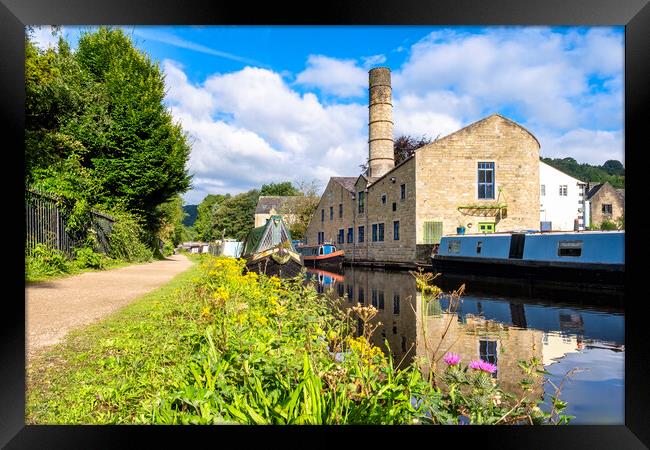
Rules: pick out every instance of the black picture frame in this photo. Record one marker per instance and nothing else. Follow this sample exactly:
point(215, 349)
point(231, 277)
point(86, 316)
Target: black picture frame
point(633, 14)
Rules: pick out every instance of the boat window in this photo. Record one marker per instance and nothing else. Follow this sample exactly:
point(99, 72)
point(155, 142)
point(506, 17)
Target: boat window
point(454, 246)
point(320, 251)
point(479, 245)
point(569, 248)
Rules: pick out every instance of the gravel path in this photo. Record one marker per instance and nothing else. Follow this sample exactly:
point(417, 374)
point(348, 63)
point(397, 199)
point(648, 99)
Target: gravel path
point(52, 308)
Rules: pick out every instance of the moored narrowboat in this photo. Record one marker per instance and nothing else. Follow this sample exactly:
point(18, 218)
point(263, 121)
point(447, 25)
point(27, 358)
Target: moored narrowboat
point(268, 250)
point(322, 255)
point(591, 260)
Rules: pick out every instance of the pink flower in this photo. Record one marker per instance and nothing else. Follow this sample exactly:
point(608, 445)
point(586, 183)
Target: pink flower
point(483, 365)
point(451, 358)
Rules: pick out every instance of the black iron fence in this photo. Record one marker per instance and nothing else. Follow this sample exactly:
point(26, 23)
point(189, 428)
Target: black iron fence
point(47, 220)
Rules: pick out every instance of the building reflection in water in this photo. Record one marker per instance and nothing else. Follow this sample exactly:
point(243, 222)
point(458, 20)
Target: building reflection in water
point(472, 336)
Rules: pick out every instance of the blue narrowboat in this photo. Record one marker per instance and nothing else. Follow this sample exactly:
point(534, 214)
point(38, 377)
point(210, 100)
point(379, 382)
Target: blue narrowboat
point(583, 259)
point(322, 255)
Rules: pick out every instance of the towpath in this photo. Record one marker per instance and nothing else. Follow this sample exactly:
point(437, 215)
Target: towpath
point(52, 308)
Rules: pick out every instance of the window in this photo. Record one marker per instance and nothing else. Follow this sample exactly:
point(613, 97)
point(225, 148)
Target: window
point(374, 232)
point(486, 227)
point(381, 299)
point(395, 303)
point(340, 289)
point(454, 246)
point(432, 232)
point(486, 180)
point(479, 245)
point(361, 230)
point(607, 209)
point(362, 202)
point(563, 190)
point(373, 298)
point(340, 237)
point(322, 215)
point(340, 209)
point(350, 235)
point(321, 237)
point(383, 199)
point(569, 248)
point(394, 206)
point(381, 232)
point(402, 189)
point(361, 298)
point(350, 293)
point(542, 190)
point(396, 230)
point(488, 353)
point(331, 212)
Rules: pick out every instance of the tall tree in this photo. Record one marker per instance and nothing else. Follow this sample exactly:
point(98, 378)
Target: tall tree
point(99, 112)
point(280, 189)
point(205, 224)
point(235, 217)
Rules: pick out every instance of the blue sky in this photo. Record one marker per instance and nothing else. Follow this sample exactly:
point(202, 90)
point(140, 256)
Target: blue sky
point(268, 104)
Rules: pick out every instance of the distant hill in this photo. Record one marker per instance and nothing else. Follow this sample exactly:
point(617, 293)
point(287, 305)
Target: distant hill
point(612, 170)
point(192, 212)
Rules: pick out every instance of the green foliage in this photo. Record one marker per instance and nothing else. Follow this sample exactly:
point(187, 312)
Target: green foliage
point(86, 257)
point(301, 208)
point(279, 189)
point(44, 261)
point(607, 225)
point(236, 215)
point(97, 131)
point(205, 227)
point(611, 171)
point(127, 239)
point(243, 348)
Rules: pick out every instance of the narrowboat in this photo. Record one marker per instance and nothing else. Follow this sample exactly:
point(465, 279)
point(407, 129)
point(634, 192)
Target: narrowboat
point(268, 250)
point(322, 255)
point(581, 260)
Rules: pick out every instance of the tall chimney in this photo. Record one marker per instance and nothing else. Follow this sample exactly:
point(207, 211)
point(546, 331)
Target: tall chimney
point(380, 124)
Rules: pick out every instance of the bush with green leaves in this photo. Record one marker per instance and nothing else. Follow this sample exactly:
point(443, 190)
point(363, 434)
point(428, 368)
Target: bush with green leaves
point(45, 261)
point(87, 258)
point(127, 239)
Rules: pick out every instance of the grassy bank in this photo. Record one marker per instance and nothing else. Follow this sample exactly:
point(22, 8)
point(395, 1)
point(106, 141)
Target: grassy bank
point(218, 346)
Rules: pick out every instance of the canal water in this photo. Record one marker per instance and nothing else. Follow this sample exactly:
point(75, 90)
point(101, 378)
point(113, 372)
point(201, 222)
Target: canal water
point(502, 330)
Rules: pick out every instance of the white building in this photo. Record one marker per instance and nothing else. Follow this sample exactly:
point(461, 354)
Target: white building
point(561, 200)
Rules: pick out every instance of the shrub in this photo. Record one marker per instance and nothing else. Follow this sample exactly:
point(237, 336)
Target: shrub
point(45, 261)
point(86, 257)
point(608, 225)
point(127, 239)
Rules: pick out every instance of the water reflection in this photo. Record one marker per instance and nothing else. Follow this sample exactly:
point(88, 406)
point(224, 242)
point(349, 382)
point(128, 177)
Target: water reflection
point(498, 330)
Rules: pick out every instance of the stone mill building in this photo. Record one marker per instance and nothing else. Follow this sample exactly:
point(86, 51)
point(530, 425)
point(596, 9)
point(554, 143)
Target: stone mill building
point(484, 177)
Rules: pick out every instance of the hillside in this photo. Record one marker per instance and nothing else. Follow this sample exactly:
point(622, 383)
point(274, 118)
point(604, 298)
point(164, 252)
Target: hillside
point(192, 212)
point(612, 170)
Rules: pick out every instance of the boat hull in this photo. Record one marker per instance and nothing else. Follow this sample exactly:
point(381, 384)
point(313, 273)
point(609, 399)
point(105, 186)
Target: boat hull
point(332, 260)
point(277, 262)
point(535, 277)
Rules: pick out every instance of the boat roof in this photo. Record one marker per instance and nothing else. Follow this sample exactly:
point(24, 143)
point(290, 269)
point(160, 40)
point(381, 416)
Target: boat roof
point(535, 232)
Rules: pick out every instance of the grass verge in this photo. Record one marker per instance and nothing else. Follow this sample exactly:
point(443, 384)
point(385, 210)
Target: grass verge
point(103, 373)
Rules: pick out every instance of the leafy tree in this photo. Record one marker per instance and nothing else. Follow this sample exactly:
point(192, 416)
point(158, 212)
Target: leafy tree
point(235, 217)
point(301, 208)
point(403, 148)
point(280, 189)
point(97, 131)
point(611, 171)
point(191, 212)
point(204, 226)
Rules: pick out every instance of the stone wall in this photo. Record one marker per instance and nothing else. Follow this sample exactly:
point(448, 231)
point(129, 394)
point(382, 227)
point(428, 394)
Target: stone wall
point(606, 195)
point(446, 176)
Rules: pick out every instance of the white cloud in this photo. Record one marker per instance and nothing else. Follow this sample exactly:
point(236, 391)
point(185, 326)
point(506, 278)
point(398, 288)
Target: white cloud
point(583, 145)
point(249, 128)
point(339, 77)
point(369, 61)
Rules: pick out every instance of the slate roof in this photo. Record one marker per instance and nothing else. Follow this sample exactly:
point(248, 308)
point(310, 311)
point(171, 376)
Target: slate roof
point(266, 203)
point(346, 182)
point(593, 187)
